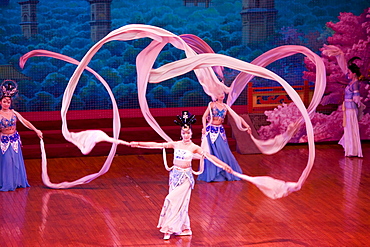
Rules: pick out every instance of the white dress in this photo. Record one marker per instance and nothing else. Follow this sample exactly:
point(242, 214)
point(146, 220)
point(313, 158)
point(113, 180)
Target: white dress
point(351, 140)
point(174, 217)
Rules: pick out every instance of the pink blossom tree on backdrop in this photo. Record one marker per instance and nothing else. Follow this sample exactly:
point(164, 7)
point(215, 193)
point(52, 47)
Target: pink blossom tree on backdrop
point(352, 35)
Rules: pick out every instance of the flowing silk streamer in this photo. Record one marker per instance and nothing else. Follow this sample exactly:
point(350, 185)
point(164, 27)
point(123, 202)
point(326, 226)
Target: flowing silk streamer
point(200, 46)
point(275, 144)
point(144, 64)
point(273, 188)
point(332, 50)
point(84, 140)
point(201, 64)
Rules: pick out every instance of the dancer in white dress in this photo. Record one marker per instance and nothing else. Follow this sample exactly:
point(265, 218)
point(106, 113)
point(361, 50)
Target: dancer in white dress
point(174, 217)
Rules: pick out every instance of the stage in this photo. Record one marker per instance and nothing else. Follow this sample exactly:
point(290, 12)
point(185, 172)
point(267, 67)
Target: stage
point(121, 208)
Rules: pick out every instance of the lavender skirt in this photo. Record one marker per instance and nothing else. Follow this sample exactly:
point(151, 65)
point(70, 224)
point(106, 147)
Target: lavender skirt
point(220, 148)
point(12, 170)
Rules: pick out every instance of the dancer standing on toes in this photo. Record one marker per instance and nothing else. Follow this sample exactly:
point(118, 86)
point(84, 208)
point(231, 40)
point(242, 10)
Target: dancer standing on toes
point(174, 218)
point(216, 140)
point(12, 170)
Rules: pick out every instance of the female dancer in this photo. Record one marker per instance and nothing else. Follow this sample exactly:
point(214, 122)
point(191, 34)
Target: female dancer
point(174, 218)
point(216, 139)
point(350, 140)
point(12, 170)
point(352, 105)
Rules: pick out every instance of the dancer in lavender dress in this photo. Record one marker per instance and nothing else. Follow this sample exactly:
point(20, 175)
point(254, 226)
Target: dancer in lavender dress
point(215, 138)
point(12, 170)
point(350, 140)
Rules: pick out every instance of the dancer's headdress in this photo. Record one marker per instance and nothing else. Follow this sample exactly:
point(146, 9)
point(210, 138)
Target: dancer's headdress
point(8, 88)
point(186, 120)
point(353, 67)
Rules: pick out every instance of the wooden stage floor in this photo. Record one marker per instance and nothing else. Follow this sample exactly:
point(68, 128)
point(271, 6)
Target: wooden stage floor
point(122, 207)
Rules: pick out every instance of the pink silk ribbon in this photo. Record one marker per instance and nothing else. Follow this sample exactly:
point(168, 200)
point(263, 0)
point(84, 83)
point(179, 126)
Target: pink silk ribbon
point(202, 65)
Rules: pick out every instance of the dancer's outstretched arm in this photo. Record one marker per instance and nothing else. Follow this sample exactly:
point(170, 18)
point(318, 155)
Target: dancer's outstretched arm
point(28, 124)
point(216, 161)
point(151, 144)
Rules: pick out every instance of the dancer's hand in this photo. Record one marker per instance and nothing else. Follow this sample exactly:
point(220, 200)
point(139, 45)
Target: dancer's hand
point(134, 144)
point(122, 142)
point(249, 130)
point(39, 133)
point(228, 168)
